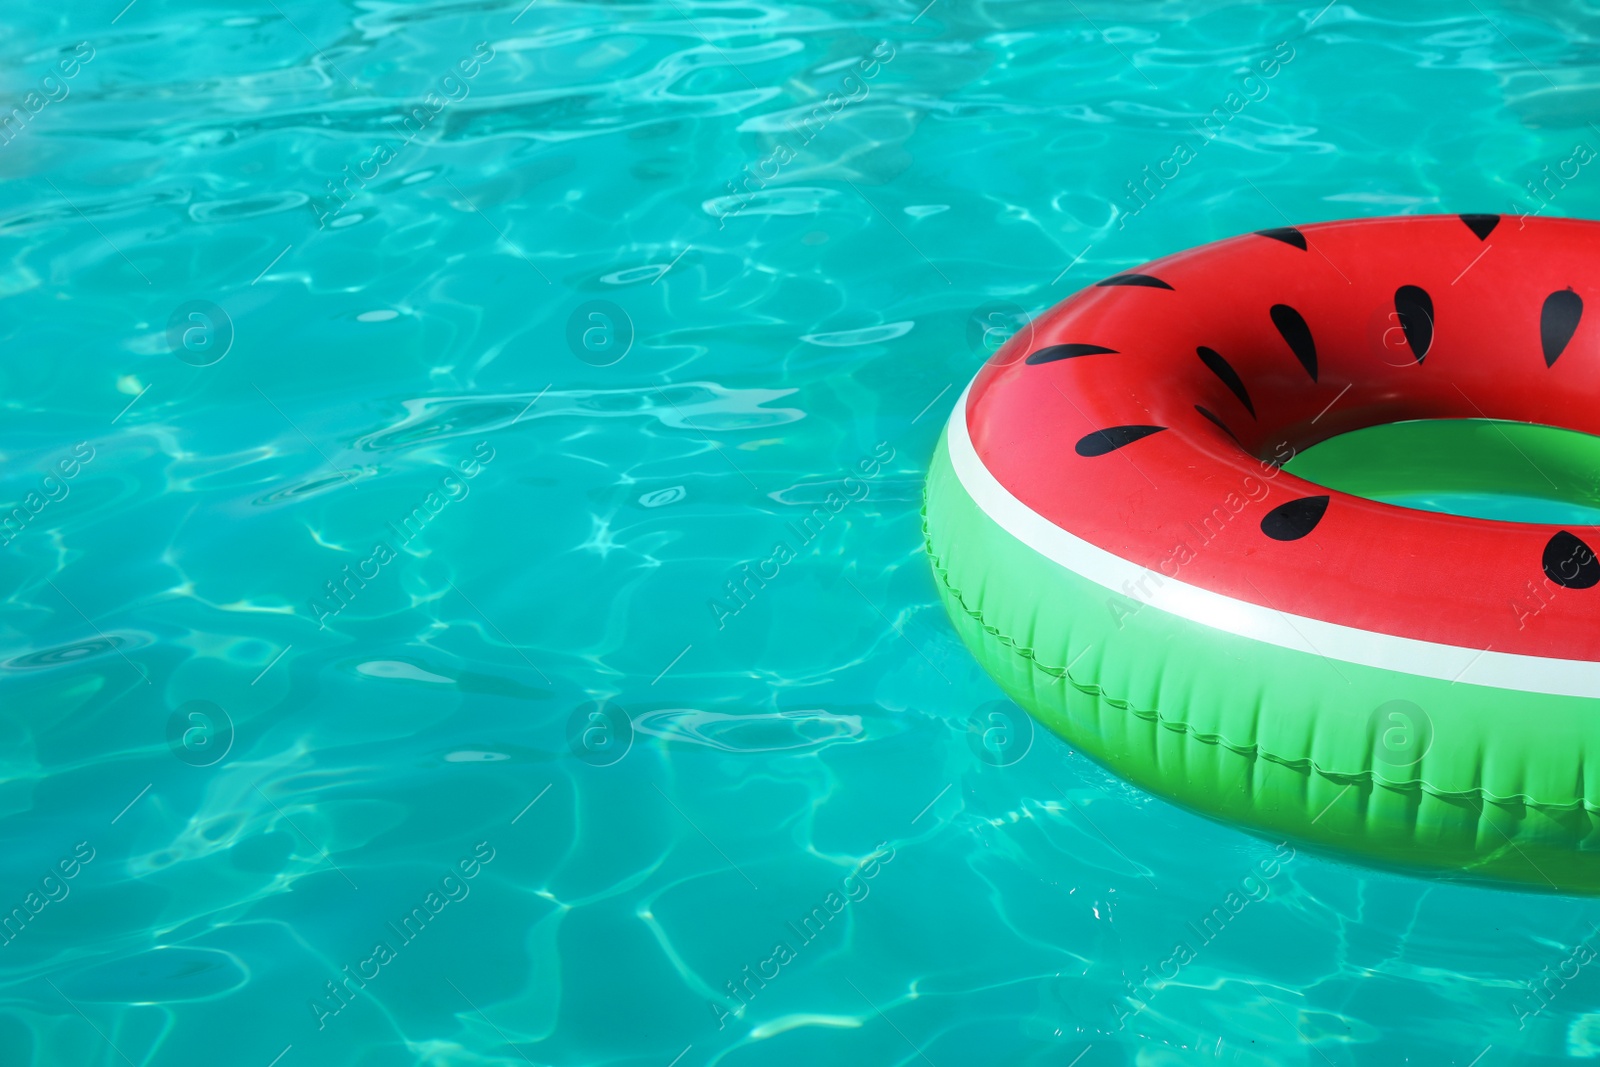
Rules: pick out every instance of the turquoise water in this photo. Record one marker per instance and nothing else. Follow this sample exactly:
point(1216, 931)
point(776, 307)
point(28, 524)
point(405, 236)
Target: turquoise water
point(383, 460)
point(1503, 508)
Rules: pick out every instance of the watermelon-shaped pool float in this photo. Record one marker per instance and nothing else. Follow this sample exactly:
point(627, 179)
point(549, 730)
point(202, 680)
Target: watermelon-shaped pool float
point(1127, 529)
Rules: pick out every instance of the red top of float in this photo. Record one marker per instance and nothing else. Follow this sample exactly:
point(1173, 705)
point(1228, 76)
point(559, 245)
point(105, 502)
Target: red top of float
point(1147, 414)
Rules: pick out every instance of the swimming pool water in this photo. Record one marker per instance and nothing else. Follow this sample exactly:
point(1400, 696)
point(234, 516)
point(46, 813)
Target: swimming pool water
point(465, 597)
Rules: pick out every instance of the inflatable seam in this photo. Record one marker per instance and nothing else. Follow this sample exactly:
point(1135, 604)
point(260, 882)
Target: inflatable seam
point(1254, 751)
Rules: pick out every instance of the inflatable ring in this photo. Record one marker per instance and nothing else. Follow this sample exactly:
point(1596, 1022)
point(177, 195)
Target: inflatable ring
point(1119, 532)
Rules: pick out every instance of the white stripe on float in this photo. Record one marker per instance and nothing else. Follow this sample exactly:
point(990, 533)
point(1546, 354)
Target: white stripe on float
point(1402, 655)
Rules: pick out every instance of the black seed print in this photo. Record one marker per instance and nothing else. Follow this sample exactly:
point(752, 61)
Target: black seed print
point(1219, 425)
point(1112, 438)
point(1415, 308)
point(1287, 234)
point(1482, 225)
point(1230, 377)
point(1571, 563)
point(1052, 353)
point(1295, 331)
point(1135, 279)
point(1558, 321)
point(1292, 521)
